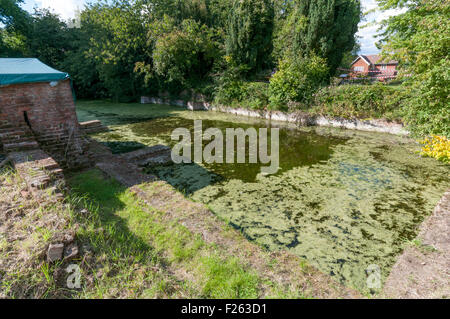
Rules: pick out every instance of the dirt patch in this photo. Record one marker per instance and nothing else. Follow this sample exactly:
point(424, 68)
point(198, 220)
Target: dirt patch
point(423, 270)
point(28, 225)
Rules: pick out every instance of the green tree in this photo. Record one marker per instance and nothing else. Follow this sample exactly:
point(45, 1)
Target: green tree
point(114, 35)
point(186, 54)
point(13, 16)
point(297, 80)
point(15, 30)
point(419, 39)
point(326, 28)
point(249, 33)
point(50, 38)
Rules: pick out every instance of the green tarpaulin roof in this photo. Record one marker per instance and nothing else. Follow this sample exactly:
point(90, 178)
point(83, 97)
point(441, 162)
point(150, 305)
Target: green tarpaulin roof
point(15, 71)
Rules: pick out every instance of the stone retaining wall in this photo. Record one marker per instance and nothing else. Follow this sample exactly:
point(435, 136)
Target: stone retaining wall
point(300, 118)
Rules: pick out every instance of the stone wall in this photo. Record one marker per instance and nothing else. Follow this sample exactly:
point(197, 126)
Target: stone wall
point(300, 118)
point(190, 105)
point(305, 119)
point(47, 110)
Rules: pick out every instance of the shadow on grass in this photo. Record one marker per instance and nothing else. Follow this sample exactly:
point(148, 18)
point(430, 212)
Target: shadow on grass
point(103, 200)
point(122, 235)
point(123, 147)
point(186, 178)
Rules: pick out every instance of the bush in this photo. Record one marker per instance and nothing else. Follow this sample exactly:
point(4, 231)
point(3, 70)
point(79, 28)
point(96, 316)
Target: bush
point(250, 95)
point(256, 95)
point(427, 108)
point(437, 147)
point(297, 81)
point(360, 101)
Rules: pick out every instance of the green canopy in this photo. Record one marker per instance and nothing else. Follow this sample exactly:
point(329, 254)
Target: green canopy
point(16, 71)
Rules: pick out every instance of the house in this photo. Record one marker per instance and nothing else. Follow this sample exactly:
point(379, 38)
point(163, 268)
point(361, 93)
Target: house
point(37, 112)
point(373, 67)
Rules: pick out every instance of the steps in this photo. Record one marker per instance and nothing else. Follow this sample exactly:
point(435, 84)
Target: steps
point(92, 127)
point(16, 139)
point(156, 155)
point(124, 172)
point(38, 169)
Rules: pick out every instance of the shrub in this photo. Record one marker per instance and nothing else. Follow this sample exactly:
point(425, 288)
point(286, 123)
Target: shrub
point(437, 147)
point(297, 81)
point(360, 101)
point(256, 95)
point(237, 93)
point(230, 84)
point(427, 109)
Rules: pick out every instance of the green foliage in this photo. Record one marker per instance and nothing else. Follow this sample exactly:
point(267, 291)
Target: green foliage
point(324, 27)
point(360, 101)
point(125, 49)
point(297, 81)
point(50, 38)
point(112, 41)
point(419, 38)
point(249, 36)
point(13, 16)
point(185, 54)
point(15, 30)
point(12, 44)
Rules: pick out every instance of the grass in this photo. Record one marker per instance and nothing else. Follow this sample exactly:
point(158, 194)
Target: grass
point(120, 226)
point(130, 249)
point(127, 251)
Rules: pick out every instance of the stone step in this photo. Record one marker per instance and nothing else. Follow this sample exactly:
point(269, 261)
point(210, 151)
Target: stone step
point(17, 139)
point(56, 172)
point(93, 127)
point(14, 147)
point(125, 173)
point(12, 133)
point(50, 166)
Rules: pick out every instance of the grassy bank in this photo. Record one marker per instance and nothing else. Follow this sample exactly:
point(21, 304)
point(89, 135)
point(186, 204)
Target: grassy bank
point(127, 249)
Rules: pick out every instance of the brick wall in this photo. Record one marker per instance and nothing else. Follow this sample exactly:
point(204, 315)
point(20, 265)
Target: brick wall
point(51, 115)
point(360, 63)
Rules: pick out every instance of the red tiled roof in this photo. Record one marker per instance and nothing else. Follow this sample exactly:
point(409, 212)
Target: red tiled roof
point(374, 59)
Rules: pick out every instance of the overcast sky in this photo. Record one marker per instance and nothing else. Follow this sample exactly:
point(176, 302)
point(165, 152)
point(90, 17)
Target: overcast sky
point(66, 9)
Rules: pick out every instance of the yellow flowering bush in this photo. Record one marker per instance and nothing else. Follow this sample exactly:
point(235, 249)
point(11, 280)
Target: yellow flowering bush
point(437, 147)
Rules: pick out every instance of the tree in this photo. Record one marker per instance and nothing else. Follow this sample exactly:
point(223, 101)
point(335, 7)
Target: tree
point(16, 26)
point(249, 33)
point(13, 16)
point(50, 38)
point(114, 41)
point(326, 28)
point(419, 39)
point(186, 54)
point(297, 80)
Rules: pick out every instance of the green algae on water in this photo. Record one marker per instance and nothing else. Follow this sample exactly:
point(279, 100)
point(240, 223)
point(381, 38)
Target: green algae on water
point(342, 199)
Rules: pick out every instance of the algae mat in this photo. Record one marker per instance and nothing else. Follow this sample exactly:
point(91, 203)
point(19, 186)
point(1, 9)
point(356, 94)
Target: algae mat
point(343, 200)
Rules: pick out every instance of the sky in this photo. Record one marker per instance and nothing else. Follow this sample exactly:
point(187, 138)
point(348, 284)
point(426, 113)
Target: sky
point(66, 9)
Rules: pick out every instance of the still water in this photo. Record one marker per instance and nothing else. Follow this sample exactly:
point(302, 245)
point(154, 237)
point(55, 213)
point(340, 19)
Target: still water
point(343, 200)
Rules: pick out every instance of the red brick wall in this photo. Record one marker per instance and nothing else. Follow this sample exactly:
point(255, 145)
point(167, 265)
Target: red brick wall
point(360, 63)
point(51, 113)
point(390, 68)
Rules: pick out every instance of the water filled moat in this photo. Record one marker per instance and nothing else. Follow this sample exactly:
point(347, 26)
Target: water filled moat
point(343, 200)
